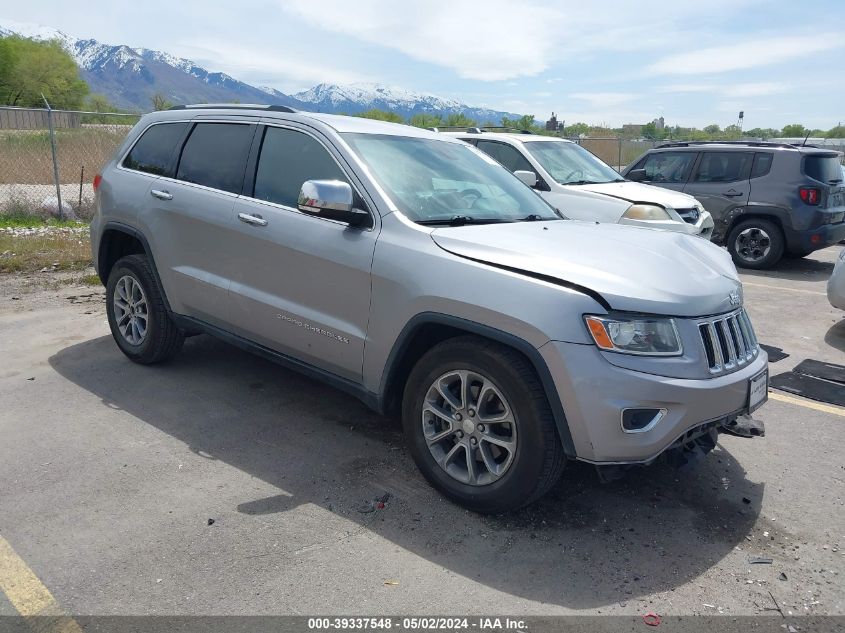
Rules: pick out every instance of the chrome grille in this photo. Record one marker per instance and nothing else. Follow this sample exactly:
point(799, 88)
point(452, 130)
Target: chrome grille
point(729, 341)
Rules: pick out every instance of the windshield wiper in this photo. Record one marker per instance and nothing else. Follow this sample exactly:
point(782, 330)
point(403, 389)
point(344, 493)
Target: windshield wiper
point(534, 218)
point(460, 220)
point(584, 182)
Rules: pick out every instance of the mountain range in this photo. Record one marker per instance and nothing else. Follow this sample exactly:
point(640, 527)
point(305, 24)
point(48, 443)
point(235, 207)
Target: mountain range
point(129, 77)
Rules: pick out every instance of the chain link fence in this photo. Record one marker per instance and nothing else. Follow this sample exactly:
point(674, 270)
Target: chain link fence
point(48, 159)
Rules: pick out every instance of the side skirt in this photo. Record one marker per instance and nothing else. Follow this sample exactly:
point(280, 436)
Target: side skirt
point(347, 386)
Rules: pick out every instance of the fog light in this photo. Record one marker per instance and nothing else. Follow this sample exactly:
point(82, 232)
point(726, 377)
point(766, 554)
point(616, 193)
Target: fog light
point(641, 420)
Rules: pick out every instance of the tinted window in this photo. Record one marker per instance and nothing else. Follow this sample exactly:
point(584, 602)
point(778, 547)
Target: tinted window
point(289, 158)
point(823, 168)
point(215, 155)
point(153, 151)
point(505, 154)
point(669, 166)
point(762, 165)
point(723, 166)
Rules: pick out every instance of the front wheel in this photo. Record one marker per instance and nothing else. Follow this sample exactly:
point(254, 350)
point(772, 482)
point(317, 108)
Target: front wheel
point(139, 321)
point(756, 244)
point(479, 425)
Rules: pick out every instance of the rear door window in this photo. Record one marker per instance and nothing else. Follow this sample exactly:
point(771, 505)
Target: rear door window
point(215, 155)
point(723, 166)
point(289, 158)
point(668, 166)
point(823, 168)
point(505, 154)
point(153, 153)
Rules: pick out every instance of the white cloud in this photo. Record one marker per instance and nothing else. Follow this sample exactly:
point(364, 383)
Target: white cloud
point(735, 89)
point(266, 67)
point(604, 99)
point(752, 53)
point(477, 44)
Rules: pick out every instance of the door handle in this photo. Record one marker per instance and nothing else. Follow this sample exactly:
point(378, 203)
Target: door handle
point(161, 195)
point(732, 194)
point(255, 220)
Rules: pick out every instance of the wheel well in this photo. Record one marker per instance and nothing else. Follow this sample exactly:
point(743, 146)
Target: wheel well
point(115, 244)
point(418, 343)
point(754, 216)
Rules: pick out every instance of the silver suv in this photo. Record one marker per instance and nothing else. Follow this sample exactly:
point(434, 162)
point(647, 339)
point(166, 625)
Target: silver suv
point(415, 272)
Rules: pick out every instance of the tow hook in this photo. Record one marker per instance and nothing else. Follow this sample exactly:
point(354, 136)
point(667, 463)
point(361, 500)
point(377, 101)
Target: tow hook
point(744, 426)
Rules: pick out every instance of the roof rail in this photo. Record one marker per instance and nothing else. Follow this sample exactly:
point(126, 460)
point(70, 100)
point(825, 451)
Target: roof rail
point(233, 106)
point(459, 128)
point(747, 143)
point(500, 128)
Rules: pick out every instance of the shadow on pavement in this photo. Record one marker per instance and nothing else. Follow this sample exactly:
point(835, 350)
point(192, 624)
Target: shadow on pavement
point(794, 268)
point(835, 336)
point(585, 545)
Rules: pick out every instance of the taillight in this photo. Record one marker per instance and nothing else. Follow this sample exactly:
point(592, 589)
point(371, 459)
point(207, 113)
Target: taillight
point(810, 195)
point(97, 180)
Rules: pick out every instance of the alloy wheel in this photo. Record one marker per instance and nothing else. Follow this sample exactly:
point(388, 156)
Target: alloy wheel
point(130, 310)
point(753, 244)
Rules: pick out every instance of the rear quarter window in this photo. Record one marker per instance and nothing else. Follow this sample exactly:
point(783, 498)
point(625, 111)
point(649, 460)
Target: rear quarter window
point(762, 164)
point(153, 152)
point(823, 168)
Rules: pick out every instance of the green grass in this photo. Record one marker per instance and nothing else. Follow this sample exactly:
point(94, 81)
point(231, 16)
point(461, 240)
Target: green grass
point(19, 219)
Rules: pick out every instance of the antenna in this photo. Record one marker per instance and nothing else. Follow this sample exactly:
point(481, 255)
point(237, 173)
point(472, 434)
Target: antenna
point(805, 138)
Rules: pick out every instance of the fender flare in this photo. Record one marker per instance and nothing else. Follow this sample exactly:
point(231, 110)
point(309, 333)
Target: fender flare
point(138, 235)
point(402, 342)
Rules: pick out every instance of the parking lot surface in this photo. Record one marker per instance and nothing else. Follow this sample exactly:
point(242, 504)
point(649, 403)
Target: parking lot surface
point(223, 484)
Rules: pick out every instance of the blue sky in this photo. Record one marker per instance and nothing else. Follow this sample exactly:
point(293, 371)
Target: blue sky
point(612, 62)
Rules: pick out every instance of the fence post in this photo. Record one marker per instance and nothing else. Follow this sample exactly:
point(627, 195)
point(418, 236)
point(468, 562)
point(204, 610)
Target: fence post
point(619, 162)
point(55, 157)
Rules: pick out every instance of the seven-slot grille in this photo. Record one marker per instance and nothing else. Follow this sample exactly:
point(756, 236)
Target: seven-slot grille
point(729, 341)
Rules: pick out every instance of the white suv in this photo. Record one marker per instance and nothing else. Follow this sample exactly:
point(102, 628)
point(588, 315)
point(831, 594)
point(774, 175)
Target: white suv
point(582, 187)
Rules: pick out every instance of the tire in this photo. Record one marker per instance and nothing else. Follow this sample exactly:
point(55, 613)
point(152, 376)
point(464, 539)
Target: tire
point(756, 244)
point(526, 470)
point(154, 337)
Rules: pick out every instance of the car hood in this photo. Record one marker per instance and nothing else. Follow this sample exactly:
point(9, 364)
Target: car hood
point(638, 192)
point(633, 269)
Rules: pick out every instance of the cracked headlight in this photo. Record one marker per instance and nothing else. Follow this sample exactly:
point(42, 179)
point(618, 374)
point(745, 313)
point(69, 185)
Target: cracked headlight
point(643, 336)
point(646, 212)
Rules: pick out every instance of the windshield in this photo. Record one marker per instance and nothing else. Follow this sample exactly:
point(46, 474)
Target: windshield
point(442, 182)
point(571, 164)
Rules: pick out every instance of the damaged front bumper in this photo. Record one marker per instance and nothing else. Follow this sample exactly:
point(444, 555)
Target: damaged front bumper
point(693, 445)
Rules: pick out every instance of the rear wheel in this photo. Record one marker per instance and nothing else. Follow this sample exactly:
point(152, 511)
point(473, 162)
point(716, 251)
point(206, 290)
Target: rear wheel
point(479, 425)
point(139, 321)
point(756, 244)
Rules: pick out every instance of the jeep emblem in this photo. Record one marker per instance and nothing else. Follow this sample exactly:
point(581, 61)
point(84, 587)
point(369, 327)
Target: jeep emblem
point(735, 298)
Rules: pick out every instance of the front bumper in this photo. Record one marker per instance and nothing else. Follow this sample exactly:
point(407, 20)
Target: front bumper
point(594, 393)
point(703, 227)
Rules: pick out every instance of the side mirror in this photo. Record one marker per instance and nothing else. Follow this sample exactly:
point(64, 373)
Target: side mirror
point(331, 199)
point(637, 175)
point(528, 177)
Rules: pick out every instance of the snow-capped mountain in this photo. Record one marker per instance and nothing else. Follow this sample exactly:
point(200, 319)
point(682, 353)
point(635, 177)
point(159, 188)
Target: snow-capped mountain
point(129, 77)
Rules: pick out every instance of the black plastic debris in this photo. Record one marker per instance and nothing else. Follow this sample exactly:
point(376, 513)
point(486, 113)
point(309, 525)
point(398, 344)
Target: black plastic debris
point(782, 576)
point(814, 379)
point(211, 521)
point(744, 426)
point(756, 560)
point(775, 353)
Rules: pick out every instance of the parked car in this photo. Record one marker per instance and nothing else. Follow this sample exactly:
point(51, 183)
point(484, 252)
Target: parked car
point(767, 199)
point(583, 187)
point(836, 283)
point(410, 270)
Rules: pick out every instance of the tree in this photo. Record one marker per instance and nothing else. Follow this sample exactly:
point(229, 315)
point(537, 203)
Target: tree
point(713, 130)
point(459, 119)
point(762, 132)
point(649, 131)
point(426, 120)
point(29, 69)
point(380, 115)
point(525, 122)
point(732, 132)
point(836, 132)
point(576, 129)
point(160, 102)
point(794, 130)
